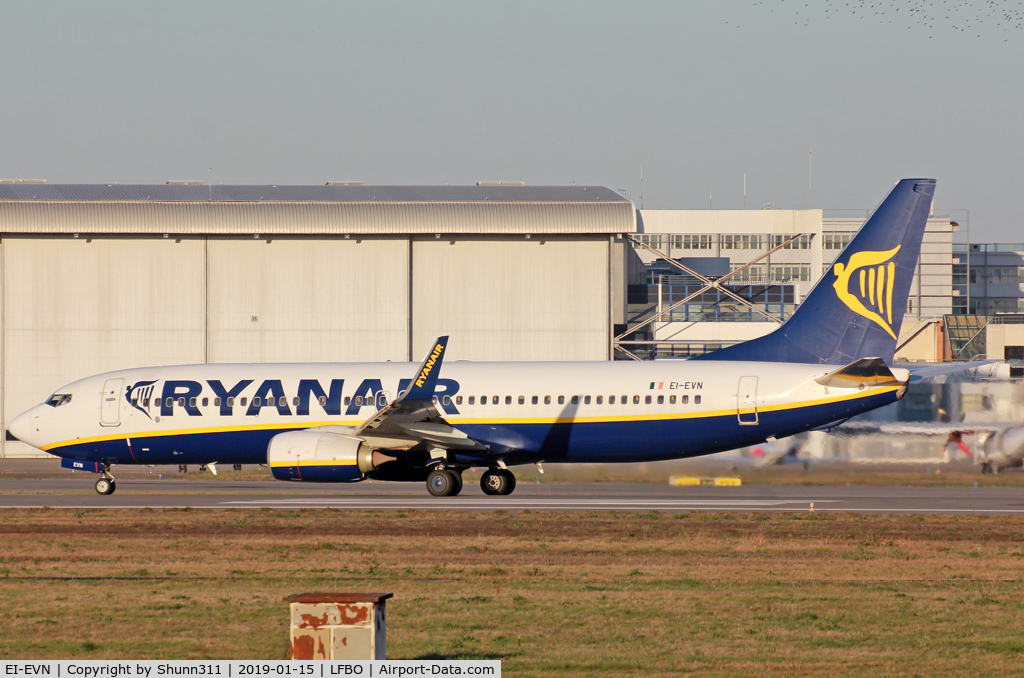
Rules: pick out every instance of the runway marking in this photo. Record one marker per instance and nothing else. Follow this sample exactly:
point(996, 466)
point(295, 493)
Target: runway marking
point(529, 503)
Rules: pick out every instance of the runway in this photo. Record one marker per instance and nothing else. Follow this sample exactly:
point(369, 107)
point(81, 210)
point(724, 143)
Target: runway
point(76, 492)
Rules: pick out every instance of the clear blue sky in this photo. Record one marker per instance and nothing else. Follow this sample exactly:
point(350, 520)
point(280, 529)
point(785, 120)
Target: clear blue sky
point(698, 93)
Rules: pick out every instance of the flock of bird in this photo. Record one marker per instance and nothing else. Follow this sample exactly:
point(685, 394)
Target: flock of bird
point(960, 15)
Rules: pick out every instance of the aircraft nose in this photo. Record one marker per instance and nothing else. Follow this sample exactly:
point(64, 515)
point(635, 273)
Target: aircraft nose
point(22, 428)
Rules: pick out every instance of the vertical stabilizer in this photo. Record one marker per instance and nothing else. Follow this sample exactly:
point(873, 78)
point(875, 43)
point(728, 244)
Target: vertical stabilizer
point(856, 309)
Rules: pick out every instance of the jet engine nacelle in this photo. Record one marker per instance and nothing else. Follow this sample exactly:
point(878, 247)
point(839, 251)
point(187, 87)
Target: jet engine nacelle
point(319, 456)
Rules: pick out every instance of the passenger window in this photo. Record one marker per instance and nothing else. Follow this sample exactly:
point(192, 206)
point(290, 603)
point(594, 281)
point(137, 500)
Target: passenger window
point(661, 400)
point(534, 400)
point(611, 400)
point(446, 400)
point(508, 400)
point(295, 401)
point(636, 400)
point(359, 400)
point(231, 402)
point(672, 400)
point(472, 400)
point(561, 400)
point(625, 399)
point(135, 402)
point(216, 402)
point(696, 400)
point(257, 401)
point(206, 402)
point(282, 401)
point(458, 400)
point(647, 400)
point(191, 402)
point(586, 400)
point(600, 400)
point(686, 399)
point(348, 401)
point(547, 400)
point(575, 400)
point(483, 400)
point(494, 400)
point(169, 402)
point(522, 400)
point(145, 403)
point(241, 403)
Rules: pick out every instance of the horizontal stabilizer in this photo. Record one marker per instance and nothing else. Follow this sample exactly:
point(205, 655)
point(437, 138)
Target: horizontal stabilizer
point(863, 373)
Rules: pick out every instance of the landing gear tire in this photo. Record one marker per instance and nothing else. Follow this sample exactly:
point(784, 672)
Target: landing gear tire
point(499, 482)
point(442, 483)
point(458, 482)
point(105, 486)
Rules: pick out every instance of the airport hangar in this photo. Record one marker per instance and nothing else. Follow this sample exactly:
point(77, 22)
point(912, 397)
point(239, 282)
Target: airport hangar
point(102, 277)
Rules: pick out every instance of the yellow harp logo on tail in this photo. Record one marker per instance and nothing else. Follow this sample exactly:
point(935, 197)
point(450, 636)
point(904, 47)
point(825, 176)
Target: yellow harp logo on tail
point(873, 275)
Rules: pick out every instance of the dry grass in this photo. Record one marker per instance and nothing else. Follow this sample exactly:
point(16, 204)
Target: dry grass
point(626, 594)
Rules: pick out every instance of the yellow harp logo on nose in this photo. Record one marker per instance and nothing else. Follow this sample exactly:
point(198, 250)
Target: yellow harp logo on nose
point(874, 280)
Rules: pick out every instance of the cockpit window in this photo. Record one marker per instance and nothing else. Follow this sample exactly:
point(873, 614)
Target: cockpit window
point(58, 399)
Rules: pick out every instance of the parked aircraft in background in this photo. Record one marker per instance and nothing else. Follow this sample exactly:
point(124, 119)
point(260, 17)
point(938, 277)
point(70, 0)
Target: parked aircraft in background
point(345, 422)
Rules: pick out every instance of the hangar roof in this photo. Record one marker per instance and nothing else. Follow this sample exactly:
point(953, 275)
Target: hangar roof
point(204, 209)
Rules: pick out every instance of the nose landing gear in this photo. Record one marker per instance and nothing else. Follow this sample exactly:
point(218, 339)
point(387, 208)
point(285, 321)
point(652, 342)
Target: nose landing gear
point(106, 484)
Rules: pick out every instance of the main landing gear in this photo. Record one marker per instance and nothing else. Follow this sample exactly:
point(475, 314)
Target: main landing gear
point(447, 482)
point(444, 482)
point(106, 484)
point(498, 481)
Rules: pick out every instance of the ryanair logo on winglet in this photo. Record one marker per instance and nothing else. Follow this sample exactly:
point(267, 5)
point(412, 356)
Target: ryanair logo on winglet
point(429, 366)
point(865, 285)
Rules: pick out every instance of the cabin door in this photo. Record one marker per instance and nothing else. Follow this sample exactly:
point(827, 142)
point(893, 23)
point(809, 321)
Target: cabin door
point(746, 401)
point(110, 402)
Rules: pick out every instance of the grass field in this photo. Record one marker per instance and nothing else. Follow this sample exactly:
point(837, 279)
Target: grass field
point(617, 594)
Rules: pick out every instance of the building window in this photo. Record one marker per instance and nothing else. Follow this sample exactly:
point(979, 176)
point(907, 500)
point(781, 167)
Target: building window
point(794, 272)
point(835, 241)
point(802, 242)
point(651, 240)
point(740, 242)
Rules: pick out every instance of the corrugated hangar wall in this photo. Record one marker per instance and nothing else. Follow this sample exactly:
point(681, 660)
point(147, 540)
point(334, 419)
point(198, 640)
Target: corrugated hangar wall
point(103, 277)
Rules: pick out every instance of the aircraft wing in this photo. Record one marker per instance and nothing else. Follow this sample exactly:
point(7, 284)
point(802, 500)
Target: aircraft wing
point(413, 417)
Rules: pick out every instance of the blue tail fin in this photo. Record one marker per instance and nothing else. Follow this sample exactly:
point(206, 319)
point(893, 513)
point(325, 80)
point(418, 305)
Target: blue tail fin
point(856, 309)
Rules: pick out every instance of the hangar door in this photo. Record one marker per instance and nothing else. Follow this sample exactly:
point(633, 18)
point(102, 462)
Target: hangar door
point(512, 299)
point(75, 307)
point(309, 300)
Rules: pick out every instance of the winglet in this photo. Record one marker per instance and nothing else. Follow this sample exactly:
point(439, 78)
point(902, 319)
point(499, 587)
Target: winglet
point(422, 386)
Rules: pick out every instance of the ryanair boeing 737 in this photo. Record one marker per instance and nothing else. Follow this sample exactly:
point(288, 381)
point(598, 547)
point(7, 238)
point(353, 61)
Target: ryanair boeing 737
point(345, 422)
